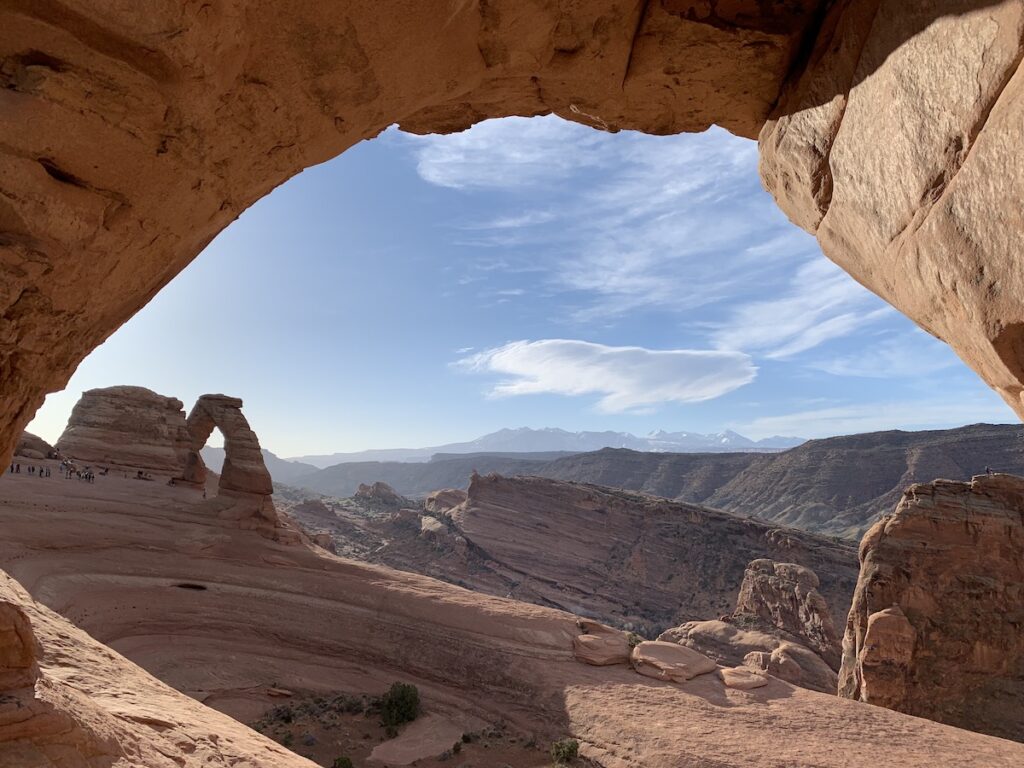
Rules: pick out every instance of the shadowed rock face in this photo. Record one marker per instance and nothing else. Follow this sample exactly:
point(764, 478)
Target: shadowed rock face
point(128, 427)
point(153, 125)
point(937, 623)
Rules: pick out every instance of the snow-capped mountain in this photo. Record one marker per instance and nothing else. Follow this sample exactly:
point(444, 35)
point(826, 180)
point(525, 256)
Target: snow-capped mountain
point(527, 440)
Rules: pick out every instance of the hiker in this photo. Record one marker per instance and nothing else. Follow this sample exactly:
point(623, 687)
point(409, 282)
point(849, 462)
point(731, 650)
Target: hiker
point(988, 470)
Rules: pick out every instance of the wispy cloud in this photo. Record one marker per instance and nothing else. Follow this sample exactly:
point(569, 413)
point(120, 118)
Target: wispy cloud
point(934, 413)
point(510, 152)
point(626, 378)
point(821, 303)
point(625, 222)
point(909, 354)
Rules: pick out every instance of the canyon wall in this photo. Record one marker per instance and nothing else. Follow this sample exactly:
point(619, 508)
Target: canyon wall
point(937, 623)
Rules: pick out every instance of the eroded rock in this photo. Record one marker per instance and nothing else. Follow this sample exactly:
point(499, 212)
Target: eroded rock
point(32, 447)
point(937, 624)
point(786, 595)
point(130, 427)
point(669, 662)
point(600, 645)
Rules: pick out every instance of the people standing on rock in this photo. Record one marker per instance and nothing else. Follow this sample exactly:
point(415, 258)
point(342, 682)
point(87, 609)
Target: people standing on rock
point(988, 470)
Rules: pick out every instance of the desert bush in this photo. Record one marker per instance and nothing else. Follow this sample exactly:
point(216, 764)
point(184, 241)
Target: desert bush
point(634, 639)
point(343, 762)
point(565, 751)
point(401, 704)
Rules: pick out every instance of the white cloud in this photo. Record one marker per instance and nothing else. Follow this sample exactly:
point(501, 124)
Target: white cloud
point(624, 222)
point(821, 303)
point(627, 378)
point(910, 354)
point(515, 151)
point(936, 413)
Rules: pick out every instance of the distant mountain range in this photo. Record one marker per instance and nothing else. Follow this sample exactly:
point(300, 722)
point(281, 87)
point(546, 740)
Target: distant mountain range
point(281, 470)
point(526, 440)
point(837, 486)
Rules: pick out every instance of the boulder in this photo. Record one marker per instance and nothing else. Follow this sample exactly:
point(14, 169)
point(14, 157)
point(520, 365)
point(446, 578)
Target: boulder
point(130, 427)
point(440, 502)
point(18, 648)
point(742, 678)
point(669, 662)
point(795, 664)
point(937, 623)
point(32, 447)
point(600, 645)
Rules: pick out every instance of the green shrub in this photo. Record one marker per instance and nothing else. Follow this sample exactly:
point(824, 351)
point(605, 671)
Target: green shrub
point(287, 740)
point(343, 762)
point(565, 751)
point(399, 705)
point(634, 639)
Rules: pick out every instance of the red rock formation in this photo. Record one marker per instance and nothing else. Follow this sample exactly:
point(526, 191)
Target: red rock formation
point(129, 427)
point(444, 501)
point(897, 143)
point(33, 447)
point(637, 561)
point(937, 623)
point(781, 625)
point(243, 470)
point(786, 596)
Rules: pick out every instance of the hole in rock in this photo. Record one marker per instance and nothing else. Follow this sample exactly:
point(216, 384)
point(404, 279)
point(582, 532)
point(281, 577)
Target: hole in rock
point(190, 585)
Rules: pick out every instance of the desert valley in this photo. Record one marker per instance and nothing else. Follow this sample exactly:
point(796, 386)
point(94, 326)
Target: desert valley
point(790, 231)
point(527, 611)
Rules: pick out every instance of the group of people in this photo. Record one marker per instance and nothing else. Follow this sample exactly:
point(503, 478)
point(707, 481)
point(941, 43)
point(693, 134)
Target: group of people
point(67, 467)
point(31, 469)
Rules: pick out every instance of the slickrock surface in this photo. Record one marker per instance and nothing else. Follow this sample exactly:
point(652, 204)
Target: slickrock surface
point(937, 623)
point(781, 625)
point(130, 427)
point(68, 702)
point(33, 447)
point(629, 559)
point(226, 614)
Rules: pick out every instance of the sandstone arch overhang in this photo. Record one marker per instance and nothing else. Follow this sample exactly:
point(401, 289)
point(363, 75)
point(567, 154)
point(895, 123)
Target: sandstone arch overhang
point(132, 133)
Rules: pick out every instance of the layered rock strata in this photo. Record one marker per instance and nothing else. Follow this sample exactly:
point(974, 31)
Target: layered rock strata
point(937, 623)
point(129, 427)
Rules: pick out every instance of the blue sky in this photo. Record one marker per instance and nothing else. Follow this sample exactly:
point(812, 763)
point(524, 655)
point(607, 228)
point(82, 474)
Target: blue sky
point(530, 272)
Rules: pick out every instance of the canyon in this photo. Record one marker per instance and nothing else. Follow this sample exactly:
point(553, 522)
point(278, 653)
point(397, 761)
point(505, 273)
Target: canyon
point(237, 620)
point(834, 486)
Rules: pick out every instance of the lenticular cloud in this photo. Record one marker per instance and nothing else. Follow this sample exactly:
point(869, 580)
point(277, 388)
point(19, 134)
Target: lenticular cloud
point(627, 378)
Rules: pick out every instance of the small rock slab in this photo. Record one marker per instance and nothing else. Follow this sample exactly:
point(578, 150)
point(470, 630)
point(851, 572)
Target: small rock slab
point(742, 678)
point(668, 661)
